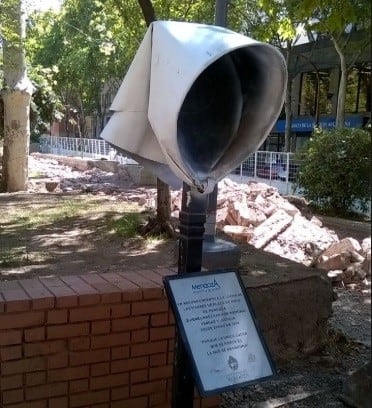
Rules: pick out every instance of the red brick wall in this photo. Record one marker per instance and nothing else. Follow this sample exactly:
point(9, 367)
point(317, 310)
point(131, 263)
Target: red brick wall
point(95, 340)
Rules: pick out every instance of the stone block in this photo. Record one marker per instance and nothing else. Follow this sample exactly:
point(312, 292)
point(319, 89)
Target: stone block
point(292, 303)
point(270, 228)
point(346, 244)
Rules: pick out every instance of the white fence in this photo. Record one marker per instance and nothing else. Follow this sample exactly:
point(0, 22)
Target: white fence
point(73, 146)
point(276, 169)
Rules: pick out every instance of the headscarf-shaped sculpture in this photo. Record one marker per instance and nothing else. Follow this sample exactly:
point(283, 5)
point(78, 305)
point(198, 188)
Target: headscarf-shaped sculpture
point(196, 101)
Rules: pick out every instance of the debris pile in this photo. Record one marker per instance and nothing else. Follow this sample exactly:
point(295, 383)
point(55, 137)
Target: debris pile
point(257, 214)
point(253, 213)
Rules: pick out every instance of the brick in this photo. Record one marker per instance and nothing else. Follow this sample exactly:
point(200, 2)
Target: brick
point(79, 343)
point(165, 271)
point(57, 316)
point(89, 398)
point(101, 327)
point(157, 399)
point(65, 296)
point(23, 366)
point(147, 388)
point(140, 402)
point(84, 314)
point(10, 353)
point(99, 369)
point(158, 359)
point(16, 299)
point(130, 323)
point(122, 310)
point(129, 364)
point(46, 391)
point(88, 357)
point(108, 381)
point(150, 289)
point(21, 320)
point(78, 385)
point(119, 352)
point(131, 291)
point(159, 319)
point(149, 307)
point(30, 404)
point(68, 373)
point(157, 373)
point(10, 382)
point(40, 296)
point(36, 334)
point(109, 340)
point(103, 405)
point(139, 336)
point(213, 401)
point(44, 348)
point(87, 294)
point(119, 393)
point(59, 360)
point(159, 333)
point(61, 402)
point(152, 275)
point(109, 292)
point(8, 337)
point(12, 396)
point(67, 330)
point(148, 348)
point(37, 378)
point(139, 376)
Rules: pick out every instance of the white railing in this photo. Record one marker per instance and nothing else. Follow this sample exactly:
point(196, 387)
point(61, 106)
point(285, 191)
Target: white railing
point(274, 168)
point(73, 146)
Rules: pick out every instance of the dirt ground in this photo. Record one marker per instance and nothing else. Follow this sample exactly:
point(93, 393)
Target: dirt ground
point(69, 233)
point(74, 230)
point(59, 234)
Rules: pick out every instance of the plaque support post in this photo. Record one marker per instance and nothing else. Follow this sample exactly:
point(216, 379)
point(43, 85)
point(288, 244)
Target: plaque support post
point(192, 218)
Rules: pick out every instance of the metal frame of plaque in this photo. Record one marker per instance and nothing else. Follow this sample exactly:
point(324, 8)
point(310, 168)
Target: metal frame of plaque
point(218, 327)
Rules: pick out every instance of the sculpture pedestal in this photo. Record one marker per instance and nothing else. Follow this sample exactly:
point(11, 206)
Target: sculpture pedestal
point(220, 254)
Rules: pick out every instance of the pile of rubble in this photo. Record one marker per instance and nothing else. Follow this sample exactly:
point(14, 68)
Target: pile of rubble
point(254, 213)
point(257, 214)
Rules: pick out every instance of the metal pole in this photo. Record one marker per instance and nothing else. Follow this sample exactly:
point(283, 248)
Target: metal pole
point(192, 218)
point(220, 17)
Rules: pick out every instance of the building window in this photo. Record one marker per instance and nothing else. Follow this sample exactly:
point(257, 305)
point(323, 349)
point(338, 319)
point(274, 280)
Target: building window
point(358, 89)
point(314, 93)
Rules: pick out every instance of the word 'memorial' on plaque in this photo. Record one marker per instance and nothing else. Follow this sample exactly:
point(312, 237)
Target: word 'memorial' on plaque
point(217, 325)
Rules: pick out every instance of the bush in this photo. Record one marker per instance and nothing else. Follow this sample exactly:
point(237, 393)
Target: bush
point(335, 170)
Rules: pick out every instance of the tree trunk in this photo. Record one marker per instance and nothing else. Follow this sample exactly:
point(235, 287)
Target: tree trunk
point(16, 96)
point(147, 11)
point(341, 99)
point(287, 107)
point(163, 200)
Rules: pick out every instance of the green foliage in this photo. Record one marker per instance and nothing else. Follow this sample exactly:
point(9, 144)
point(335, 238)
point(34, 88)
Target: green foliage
point(335, 170)
point(46, 106)
point(127, 226)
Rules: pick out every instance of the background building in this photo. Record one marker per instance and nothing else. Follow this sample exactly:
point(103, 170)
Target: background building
point(315, 69)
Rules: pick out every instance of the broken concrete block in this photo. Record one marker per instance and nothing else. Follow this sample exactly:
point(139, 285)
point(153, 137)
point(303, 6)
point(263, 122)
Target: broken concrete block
point(270, 228)
point(346, 244)
point(335, 261)
point(238, 232)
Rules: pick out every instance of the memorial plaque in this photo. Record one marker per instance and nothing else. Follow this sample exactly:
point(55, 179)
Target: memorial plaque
point(217, 325)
